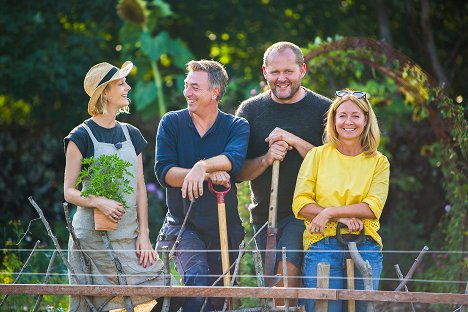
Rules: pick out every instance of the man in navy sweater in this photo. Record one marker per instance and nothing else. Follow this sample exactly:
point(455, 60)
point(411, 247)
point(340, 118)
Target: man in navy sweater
point(194, 145)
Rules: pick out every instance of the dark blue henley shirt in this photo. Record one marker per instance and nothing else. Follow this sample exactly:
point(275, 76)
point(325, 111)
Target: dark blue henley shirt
point(178, 144)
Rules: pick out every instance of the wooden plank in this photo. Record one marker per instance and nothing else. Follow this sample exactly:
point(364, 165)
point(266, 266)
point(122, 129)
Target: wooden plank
point(238, 292)
point(323, 282)
point(401, 296)
point(350, 282)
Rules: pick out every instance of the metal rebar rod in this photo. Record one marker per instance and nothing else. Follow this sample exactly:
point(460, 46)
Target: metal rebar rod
point(285, 277)
point(259, 274)
point(181, 231)
point(167, 279)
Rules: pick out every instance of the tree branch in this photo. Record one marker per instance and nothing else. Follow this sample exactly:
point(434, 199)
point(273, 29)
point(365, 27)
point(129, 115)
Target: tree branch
point(86, 266)
point(59, 249)
point(46, 280)
point(118, 265)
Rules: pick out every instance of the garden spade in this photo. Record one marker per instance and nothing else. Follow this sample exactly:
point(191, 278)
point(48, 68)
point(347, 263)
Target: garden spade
point(223, 239)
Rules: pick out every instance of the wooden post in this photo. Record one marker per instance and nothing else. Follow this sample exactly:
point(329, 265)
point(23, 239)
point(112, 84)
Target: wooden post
point(350, 282)
point(323, 281)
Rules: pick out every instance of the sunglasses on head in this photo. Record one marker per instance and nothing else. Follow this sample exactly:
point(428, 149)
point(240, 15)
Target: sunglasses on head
point(357, 94)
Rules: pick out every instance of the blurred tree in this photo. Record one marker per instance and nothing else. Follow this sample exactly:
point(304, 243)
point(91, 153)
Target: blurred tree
point(236, 32)
point(153, 50)
point(46, 48)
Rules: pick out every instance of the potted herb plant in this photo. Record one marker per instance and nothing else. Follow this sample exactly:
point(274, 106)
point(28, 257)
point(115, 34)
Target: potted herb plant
point(105, 176)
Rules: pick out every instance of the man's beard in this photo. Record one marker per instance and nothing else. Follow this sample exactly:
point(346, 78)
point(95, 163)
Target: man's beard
point(293, 87)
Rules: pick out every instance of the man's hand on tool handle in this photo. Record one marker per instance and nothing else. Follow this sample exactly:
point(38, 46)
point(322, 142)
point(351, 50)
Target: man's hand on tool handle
point(193, 182)
point(277, 151)
point(219, 178)
point(279, 134)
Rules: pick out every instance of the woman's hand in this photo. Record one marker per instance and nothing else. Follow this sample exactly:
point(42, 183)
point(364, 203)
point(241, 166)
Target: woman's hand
point(353, 224)
point(112, 209)
point(317, 225)
point(144, 250)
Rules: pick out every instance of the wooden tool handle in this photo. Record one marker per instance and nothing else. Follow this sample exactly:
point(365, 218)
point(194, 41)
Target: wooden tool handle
point(224, 242)
point(272, 213)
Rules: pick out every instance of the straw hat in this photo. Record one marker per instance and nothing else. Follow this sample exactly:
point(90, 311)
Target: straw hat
point(99, 76)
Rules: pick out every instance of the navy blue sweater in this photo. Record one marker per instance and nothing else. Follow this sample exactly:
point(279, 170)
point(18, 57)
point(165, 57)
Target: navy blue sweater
point(178, 144)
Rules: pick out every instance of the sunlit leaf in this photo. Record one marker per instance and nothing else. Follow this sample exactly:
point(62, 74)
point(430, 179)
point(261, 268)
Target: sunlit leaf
point(145, 93)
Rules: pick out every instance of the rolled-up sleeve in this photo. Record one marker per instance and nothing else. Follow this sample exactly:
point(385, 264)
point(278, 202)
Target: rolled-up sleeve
point(236, 147)
point(379, 188)
point(166, 149)
point(304, 193)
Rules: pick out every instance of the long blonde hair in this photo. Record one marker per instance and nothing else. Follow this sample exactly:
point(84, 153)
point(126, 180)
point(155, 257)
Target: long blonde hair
point(370, 136)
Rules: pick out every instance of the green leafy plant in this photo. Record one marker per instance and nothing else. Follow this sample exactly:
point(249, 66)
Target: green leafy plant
point(107, 176)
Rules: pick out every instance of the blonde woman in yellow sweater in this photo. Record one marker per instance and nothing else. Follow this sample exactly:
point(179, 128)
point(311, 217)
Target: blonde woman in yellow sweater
point(346, 180)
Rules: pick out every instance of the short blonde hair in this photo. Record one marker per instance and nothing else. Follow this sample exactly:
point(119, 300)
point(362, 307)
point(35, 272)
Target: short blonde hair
point(370, 137)
point(100, 107)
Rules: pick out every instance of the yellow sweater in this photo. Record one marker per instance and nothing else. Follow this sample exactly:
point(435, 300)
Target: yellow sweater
point(330, 179)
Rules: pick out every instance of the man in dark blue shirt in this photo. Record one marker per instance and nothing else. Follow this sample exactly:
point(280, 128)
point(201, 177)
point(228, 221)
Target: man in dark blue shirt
point(194, 145)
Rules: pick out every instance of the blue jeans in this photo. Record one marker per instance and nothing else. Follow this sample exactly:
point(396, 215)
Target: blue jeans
point(198, 262)
point(290, 232)
point(329, 250)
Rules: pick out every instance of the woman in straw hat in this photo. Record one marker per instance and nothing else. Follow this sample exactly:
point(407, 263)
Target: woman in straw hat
point(103, 134)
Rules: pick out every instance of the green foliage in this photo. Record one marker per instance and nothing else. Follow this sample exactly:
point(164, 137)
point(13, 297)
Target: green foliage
point(13, 258)
point(106, 176)
point(156, 47)
point(395, 237)
point(46, 48)
point(450, 157)
point(160, 59)
point(32, 164)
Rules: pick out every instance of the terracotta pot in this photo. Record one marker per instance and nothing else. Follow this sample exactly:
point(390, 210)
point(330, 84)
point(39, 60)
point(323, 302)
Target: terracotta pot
point(102, 223)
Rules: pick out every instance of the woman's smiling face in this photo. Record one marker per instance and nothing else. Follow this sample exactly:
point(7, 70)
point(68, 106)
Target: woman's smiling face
point(350, 121)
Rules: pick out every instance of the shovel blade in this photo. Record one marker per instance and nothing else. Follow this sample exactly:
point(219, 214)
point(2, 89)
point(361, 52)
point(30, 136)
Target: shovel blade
point(270, 258)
